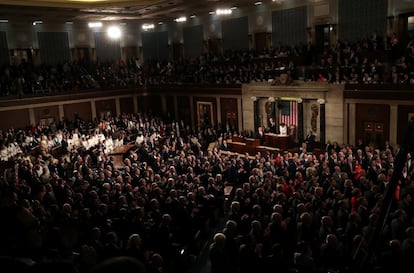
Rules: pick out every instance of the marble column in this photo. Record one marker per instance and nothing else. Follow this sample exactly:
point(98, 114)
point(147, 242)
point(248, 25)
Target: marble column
point(300, 121)
point(393, 125)
point(61, 111)
point(135, 102)
point(239, 115)
point(32, 116)
point(218, 113)
point(322, 122)
point(118, 107)
point(192, 118)
point(272, 111)
point(255, 113)
point(93, 109)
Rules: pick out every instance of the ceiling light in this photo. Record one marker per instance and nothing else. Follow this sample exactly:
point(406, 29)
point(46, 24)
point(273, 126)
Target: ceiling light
point(192, 16)
point(233, 8)
point(181, 19)
point(95, 24)
point(4, 21)
point(88, 0)
point(37, 22)
point(223, 11)
point(211, 12)
point(160, 23)
point(258, 3)
point(114, 32)
point(148, 26)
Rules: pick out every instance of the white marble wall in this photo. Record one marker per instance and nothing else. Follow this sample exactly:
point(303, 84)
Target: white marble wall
point(310, 93)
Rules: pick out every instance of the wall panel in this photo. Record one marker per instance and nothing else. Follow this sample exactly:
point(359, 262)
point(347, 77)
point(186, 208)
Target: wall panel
point(54, 47)
point(235, 33)
point(289, 26)
point(358, 19)
point(14, 119)
point(105, 108)
point(82, 109)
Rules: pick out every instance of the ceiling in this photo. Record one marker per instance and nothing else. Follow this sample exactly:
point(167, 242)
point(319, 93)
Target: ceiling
point(122, 10)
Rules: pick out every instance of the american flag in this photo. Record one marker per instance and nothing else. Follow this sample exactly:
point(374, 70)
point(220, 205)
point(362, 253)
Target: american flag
point(288, 112)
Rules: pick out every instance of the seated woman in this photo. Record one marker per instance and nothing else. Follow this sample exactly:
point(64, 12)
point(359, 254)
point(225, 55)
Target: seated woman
point(283, 129)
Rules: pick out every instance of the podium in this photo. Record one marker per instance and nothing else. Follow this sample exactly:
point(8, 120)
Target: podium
point(277, 141)
point(251, 144)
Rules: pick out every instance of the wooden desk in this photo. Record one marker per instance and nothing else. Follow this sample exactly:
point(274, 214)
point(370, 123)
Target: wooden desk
point(238, 147)
point(265, 149)
point(251, 144)
point(237, 138)
point(120, 153)
point(277, 141)
point(57, 151)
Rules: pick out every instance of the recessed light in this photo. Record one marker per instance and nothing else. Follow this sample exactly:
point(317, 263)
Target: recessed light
point(95, 24)
point(37, 22)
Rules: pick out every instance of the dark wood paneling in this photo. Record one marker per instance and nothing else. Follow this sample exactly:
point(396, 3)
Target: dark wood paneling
point(127, 105)
point(150, 103)
point(262, 41)
point(178, 51)
point(229, 114)
point(184, 112)
point(155, 105)
point(14, 119)
point(82, 109)
point(105, 107)
point(372, 122)
point(170, 106)
point(130, 52)
point(405, 112)
point(142, 102)
point(194, 90)
point(47, 113)
point(384, 92)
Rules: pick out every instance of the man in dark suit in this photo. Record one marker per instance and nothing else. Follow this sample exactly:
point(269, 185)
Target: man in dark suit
point(387, 146)
point(309, 140)
point(349, 166)
point(272, 126)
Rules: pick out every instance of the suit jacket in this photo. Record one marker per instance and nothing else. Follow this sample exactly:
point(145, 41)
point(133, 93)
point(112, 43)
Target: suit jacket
point(273, 128)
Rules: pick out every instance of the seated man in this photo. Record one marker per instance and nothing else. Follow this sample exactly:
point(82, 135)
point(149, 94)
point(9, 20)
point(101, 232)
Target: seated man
point(283, 129)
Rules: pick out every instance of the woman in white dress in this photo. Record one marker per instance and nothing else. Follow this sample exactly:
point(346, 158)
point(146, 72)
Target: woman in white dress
point(283, 129)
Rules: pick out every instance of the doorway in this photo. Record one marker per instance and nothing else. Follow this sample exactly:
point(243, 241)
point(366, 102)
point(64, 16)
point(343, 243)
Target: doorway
point(374, 133)
point(322, 36)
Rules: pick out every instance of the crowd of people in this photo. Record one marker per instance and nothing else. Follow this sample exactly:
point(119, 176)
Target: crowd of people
point(63, 198)
point(373, 60)
point(291, 211)
point(67, 205)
